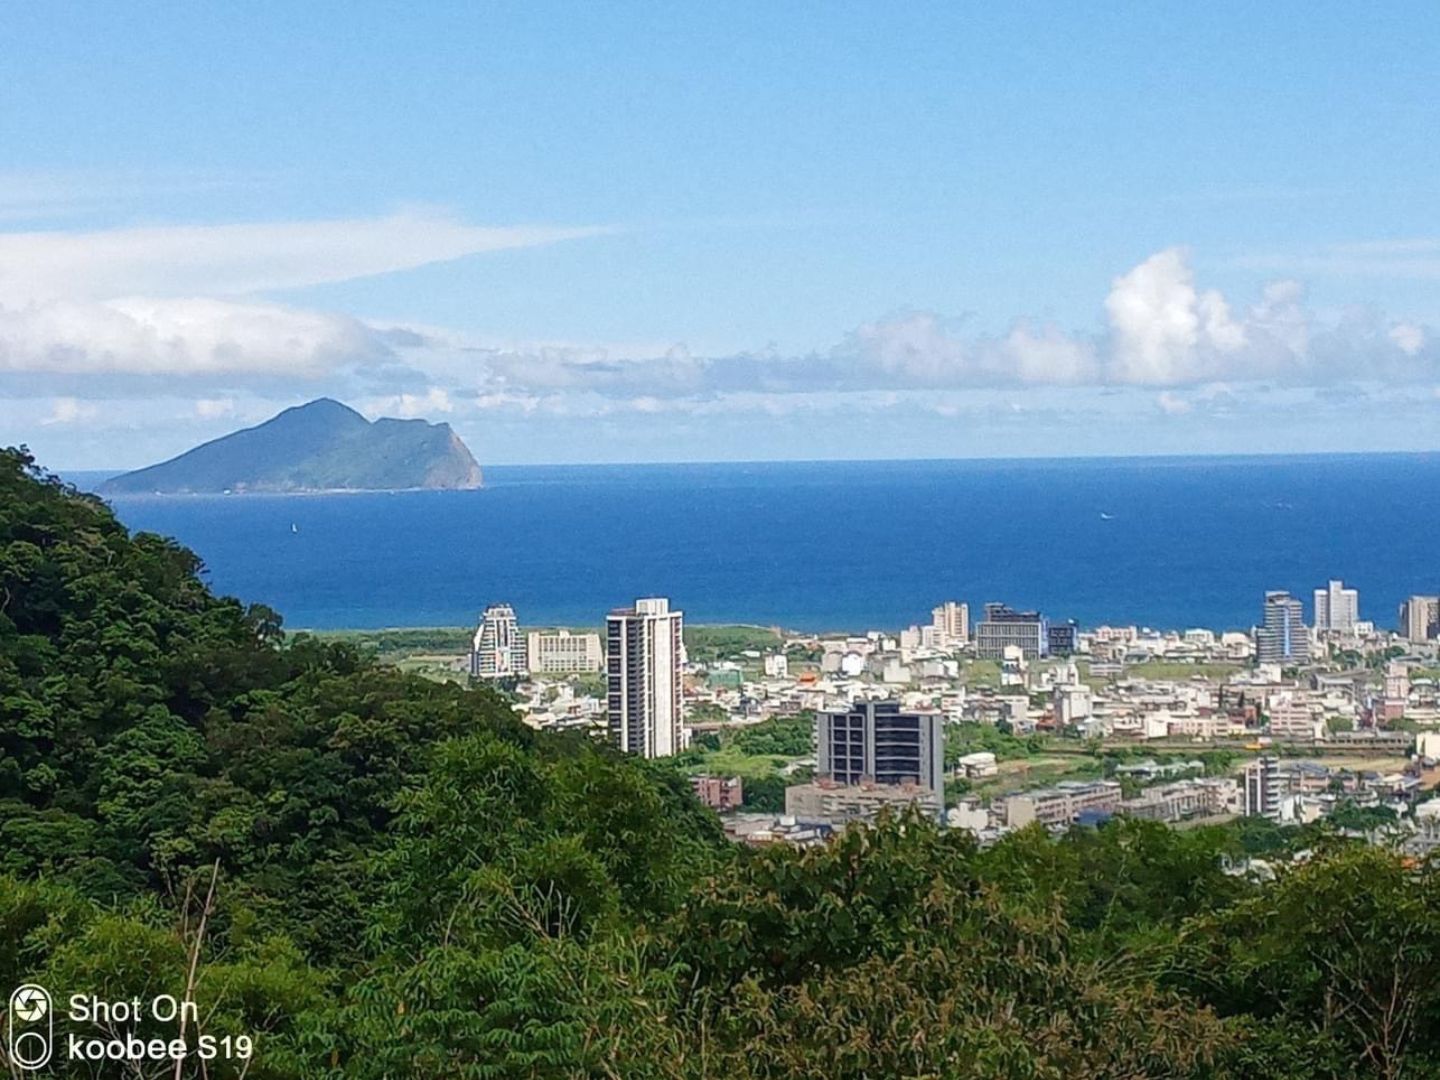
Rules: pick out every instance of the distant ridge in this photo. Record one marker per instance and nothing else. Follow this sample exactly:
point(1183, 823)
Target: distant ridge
point(320, 446)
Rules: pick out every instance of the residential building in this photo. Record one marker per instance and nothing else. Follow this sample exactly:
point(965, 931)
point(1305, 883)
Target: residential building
point(1181, 800)
point(875, 741)
point(1282, 637)
point(832, 801)
point(951, 621)
point(1292, 717)
point(1004, 626)
point(1073, 703)
point(644, 655)
point(1337, 608)
point(1063, 803)
point(560, 652)
point(722, 794)
point(977, 766)
point(1062, 638)
point(1420, 618)
point(496, 651)
point(1397, 687)
point(1262, 788)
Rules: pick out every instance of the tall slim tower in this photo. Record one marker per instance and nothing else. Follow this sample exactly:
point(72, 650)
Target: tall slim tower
point(497, 650)
point(1337, 608)
point(644, 655)
point(952, 624)
point(1282, 637)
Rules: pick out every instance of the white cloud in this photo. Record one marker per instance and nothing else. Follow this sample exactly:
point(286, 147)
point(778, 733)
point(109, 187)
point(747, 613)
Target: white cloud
point(1164, 331)
point(68, 410)
point(1172, 404)
point(177, 300)
point(228, 260)
point(179, 337)
point(214, 408)
point(410, 406)
point(1408, 338)
point(1183, 347)
point(1416, 258)
point(919, 348)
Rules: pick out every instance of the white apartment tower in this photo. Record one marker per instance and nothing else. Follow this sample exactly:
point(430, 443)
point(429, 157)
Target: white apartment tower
point(497, 650)
point(644, 655)
point(1337, 608)
point(952, 624)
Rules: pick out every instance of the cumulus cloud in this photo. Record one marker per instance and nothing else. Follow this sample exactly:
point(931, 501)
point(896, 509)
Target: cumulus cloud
point(1163, 330)
point(189, 311)
point(179, 337)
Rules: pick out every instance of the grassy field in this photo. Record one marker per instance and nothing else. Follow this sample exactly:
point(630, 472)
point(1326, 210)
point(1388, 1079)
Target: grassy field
point(730, 761)
point(1362, 764)
point(393, 645)
point(1035, 772)
point(704, 644)
point(1167, 669)
point(980, 672)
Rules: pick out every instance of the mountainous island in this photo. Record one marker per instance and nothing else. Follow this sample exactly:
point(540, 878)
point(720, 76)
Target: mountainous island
point(320, 446)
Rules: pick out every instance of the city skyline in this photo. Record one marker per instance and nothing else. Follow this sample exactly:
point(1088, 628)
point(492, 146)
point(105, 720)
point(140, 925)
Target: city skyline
point(615, 243)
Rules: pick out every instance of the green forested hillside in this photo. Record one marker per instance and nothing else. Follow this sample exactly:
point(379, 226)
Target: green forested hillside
point(379, 876)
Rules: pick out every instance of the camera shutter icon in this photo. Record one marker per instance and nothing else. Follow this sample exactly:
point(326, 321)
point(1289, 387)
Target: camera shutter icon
point(30, 1027)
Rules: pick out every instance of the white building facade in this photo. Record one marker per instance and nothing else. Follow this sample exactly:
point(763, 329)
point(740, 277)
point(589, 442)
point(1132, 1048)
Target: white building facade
point(496, 651)
point(644, 658)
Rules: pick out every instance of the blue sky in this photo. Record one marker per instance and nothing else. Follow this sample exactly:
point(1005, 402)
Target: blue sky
point(671, 232)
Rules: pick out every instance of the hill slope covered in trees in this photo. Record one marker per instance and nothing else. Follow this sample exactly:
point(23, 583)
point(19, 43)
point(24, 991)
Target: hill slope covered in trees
point(378, 876)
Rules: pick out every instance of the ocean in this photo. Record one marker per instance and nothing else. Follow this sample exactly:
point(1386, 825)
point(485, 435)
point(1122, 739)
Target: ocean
point(1162, 542)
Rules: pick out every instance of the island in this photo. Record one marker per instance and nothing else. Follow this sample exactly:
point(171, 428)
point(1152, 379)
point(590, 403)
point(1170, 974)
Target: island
point(320, 446)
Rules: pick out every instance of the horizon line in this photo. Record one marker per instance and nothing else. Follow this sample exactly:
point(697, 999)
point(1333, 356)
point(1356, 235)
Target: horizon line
point(1010, 459)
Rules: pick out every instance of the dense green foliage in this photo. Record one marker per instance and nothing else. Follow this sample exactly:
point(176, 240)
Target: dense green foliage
point(382, 877)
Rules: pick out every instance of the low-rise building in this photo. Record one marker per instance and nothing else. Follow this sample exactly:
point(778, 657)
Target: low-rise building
point(826, 800)
point(1181, 800)
point(1061, 804)
point(722, 794)
point(559, 652)
point(977, 766)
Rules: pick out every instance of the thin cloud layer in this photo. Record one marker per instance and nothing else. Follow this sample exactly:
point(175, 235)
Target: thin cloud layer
point(179, 301)
point(228, 260)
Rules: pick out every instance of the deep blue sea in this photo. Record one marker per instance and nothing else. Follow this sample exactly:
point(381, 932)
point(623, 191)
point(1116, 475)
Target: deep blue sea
point(1164, 542)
